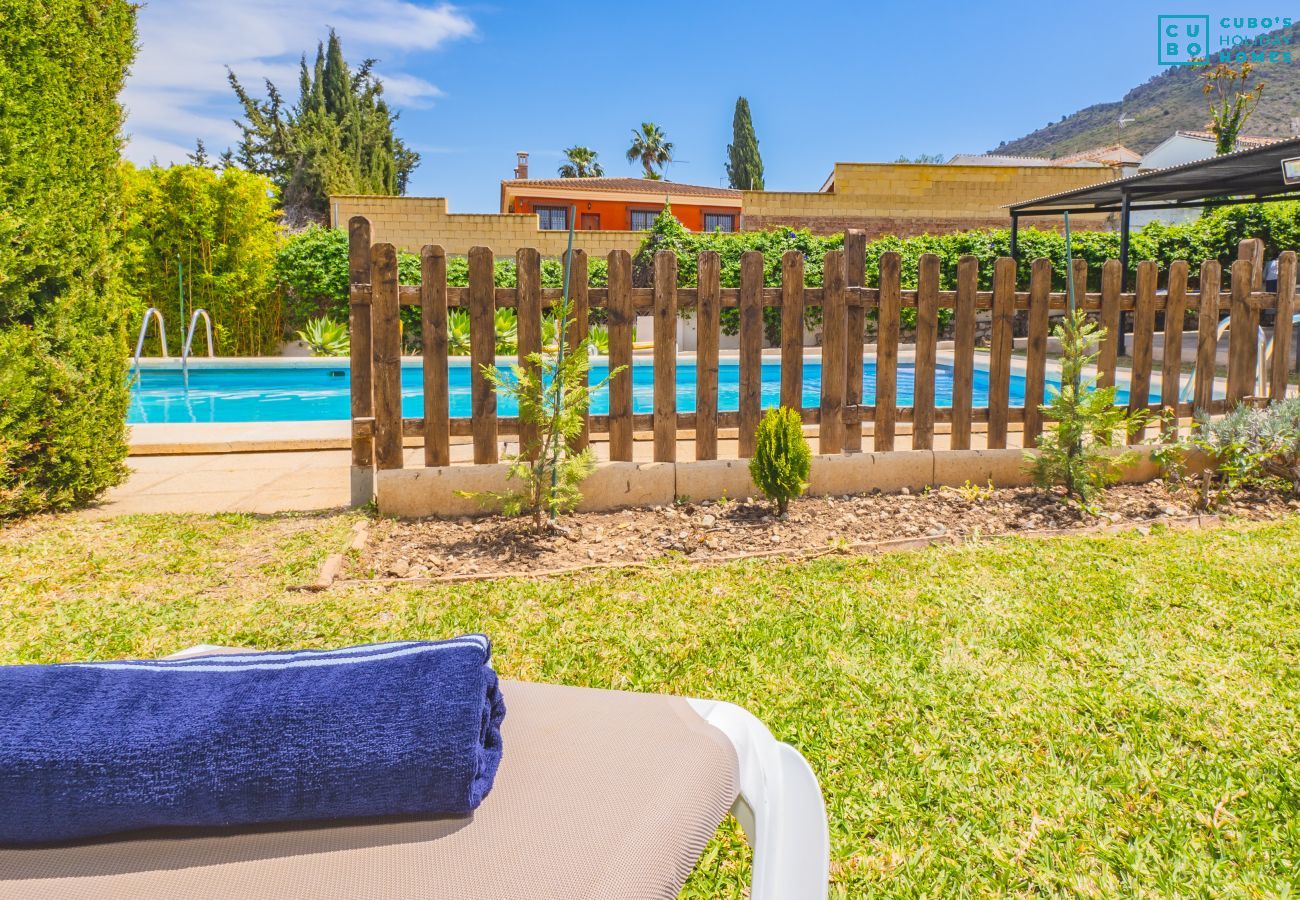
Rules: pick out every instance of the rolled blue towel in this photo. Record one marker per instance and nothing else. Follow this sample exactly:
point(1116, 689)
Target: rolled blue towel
point(409, 728)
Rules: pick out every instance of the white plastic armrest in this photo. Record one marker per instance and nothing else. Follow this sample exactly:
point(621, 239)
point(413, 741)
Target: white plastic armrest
point(780, 807)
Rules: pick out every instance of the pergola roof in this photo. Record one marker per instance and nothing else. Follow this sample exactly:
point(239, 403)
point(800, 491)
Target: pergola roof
point(1247, 175)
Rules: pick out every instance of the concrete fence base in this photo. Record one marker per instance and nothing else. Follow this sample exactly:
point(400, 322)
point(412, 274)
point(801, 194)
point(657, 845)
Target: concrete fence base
point(421, 492)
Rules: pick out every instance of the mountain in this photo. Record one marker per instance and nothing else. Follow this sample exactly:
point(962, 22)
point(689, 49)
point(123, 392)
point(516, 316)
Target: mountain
point(1167, 103)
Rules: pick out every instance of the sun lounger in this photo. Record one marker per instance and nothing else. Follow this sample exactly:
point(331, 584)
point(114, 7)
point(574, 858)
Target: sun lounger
point(600, 794)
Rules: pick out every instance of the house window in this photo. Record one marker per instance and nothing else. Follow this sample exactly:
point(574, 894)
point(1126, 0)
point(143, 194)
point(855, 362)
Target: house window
point(719, 222)
point(642, 219)
point(553, 218)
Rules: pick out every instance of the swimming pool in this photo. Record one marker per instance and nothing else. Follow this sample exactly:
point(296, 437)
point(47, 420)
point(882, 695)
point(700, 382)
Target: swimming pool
point(318, 390)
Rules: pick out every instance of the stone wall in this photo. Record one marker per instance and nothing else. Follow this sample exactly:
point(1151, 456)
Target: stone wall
point(907, 199)
point(411, 222)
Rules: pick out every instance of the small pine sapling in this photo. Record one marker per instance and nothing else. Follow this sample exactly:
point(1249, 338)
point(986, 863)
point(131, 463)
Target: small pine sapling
point(782, 458)
point(1075, 452)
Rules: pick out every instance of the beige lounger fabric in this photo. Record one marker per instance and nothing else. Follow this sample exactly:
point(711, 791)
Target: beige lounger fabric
point(600, 794)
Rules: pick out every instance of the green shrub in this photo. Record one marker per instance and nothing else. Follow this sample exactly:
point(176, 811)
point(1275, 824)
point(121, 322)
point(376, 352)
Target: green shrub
point(1075, 451)
point(63, 352)
point(326, 337)
point(1247, 447)
point(552, 394)
point(782, 458)
point(218, 231)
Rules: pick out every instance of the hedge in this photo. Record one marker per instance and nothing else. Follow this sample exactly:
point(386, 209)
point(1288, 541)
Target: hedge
point(219, 231)
point(63, 394)
point(313, 265)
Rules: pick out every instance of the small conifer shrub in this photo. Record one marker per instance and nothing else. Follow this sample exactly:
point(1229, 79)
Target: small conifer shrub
point(782, 457)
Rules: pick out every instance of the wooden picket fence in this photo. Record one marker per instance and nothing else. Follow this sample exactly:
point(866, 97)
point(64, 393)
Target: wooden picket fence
point(378, 427)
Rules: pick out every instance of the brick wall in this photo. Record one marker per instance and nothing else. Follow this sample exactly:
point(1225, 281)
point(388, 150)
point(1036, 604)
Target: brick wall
point(412, 222)
point(910, 199)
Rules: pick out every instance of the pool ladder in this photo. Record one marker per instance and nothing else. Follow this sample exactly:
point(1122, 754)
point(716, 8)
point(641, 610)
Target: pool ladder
point(153, 314)
point(1264, 355)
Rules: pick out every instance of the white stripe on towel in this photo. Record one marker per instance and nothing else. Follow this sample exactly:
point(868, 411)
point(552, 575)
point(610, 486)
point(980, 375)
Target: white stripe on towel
point(211, 665)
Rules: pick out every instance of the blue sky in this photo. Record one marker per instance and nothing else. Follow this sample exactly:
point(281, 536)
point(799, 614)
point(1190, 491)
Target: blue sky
point(826, 81)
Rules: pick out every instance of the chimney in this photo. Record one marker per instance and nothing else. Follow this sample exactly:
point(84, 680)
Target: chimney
point(521, 164)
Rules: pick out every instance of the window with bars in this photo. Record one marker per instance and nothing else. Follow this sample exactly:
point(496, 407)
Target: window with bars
point(719, 222)
point(642, 219)
point(553, 218)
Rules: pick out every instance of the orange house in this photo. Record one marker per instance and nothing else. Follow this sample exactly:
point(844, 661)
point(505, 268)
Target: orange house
point(618, 204)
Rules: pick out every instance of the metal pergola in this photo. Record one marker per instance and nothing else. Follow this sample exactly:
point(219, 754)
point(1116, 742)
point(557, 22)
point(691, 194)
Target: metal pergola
point(1254, 175)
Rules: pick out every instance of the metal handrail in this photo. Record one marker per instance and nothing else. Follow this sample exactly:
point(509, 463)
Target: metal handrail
point(189, 343)
point(189, 334)
point(150, 313)
point(1264, 349)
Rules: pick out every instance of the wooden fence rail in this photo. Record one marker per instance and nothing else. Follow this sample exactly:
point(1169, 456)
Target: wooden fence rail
point(842, 412)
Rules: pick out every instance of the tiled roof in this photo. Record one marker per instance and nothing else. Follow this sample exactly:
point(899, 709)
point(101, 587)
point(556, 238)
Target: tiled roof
point(1243, 140)
point(624, 185)
point(1115, 153)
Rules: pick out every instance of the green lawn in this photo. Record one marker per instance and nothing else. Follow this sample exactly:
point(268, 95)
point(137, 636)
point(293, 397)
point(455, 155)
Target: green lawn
point(1091, 716)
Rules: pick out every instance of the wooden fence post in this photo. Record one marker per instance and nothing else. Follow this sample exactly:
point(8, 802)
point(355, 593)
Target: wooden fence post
point(887, 323)
point(708, 331)
point(834, 349)
point(1242, 348)
point(433, 322)
point(1000, 345)
point(1144, 323)
point(621, 318)
point(1252, 250)
point(665, 357)
point(578, 332)
point(528, 336)
point(362, 386)
point(927, 337)
point(1286, 273)
point(1040, 285)
point(1171, 356)
point(386, 341)
point(1207, 336)
point(1109, 319)
point(792, 312)
point(855, 271)
point(963, 350)
point(751, 350)
point(482, 352)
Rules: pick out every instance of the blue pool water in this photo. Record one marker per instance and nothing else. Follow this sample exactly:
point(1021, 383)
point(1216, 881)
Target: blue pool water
point(314, 392)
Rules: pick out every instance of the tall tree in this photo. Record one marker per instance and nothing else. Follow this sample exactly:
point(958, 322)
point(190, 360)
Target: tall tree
point(1230, 103)
point(337, 139)
point(581, 163)
point(744, 165)
point(650, 149)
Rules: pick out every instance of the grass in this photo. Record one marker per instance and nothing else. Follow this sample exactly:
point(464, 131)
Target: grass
point(1090, 716)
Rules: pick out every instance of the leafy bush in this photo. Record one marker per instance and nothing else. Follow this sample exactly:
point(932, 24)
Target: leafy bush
point(1075, 450)
point(1247, 447)
point(63, 352)
point(219, 229)
point(782, 458)
point(326, 337)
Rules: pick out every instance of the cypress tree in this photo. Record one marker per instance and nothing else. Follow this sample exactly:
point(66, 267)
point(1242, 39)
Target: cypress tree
point(63, 310)
point(744, 165)
point(338, 139)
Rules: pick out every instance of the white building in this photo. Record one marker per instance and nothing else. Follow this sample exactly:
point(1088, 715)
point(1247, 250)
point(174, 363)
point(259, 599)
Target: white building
point(1179, 148)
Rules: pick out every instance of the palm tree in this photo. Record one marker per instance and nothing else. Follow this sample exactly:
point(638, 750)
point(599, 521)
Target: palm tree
point(581, 163)
point(650, 149)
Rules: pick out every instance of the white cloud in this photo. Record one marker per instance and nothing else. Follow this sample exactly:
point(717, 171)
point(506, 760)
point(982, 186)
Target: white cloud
point(178, 91)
